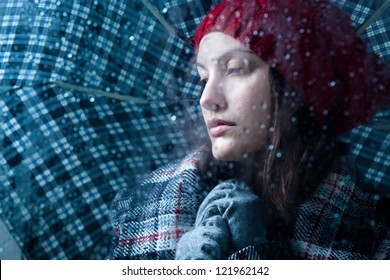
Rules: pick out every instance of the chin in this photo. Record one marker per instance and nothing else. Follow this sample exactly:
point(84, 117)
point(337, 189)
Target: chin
point(224, 154)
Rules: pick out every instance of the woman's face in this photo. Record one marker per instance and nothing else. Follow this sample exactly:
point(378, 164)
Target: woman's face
point(236, 100)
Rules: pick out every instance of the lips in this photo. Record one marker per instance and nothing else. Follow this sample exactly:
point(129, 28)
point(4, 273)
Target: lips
point(217, 127)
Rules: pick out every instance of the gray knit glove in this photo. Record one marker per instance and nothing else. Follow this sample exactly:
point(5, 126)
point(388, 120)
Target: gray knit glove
point(228, 220)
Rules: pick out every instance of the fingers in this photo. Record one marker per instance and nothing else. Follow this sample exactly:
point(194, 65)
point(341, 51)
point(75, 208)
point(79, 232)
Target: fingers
point(208, 241)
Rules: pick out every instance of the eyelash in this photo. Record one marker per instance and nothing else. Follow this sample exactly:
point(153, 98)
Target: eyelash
point(229, 71)
point(235, 71)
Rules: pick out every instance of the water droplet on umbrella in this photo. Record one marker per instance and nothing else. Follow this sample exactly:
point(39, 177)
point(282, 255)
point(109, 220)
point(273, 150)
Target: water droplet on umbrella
point(279, 154)
point(332, 83)
point(270, 147)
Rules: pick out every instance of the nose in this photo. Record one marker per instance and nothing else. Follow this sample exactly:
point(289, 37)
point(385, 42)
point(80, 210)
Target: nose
point(213, 96)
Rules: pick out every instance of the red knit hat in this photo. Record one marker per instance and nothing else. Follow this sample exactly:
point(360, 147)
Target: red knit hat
point(315, 47)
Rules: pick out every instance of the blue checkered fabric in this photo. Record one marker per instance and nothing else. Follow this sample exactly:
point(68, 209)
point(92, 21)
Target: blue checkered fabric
point(93, 95)
point(370, 143)
point(65, 151)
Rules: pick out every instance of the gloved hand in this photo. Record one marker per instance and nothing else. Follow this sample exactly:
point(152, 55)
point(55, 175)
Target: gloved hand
point(229, 219)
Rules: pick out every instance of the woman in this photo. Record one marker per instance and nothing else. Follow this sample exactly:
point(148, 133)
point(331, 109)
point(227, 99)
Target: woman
point(273, 181)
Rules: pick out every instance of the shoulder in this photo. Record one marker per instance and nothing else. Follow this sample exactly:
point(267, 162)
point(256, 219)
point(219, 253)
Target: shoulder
point(149, 219)
point(339, 219)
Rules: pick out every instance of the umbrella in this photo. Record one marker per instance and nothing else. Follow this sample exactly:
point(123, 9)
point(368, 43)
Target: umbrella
point(370, 143)
point(94, 95)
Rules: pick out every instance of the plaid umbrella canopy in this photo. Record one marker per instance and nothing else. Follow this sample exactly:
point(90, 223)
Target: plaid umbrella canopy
point(77, 125)
point(94, 96)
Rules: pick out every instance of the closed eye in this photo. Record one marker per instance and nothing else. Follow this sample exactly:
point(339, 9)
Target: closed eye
point(235, 71)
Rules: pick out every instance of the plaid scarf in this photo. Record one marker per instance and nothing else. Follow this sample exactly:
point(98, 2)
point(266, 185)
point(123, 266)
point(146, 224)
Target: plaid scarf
point(338, 220)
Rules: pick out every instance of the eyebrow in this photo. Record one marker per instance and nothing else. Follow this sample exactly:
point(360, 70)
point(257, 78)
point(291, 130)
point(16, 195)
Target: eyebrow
point(228, 53)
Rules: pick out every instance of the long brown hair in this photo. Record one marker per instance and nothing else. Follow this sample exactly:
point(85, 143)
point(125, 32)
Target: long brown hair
point(302, 151)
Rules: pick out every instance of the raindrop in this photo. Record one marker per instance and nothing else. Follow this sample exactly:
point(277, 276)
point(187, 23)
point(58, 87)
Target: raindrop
point(279, 154)
point(307, 54)
point(165, 10)
point(108, 89)
point(270, 147)
point(301, 30)
point(293, 119)
point(255, 32)
point(254, 107)
point(70, 55)
point(173, 118)
point(376, 197)
point(336, 216)
point(288, 19)
point(262, 126)
point(332, 83)
point(287, 57)
point(295, 73)
point(381, 87)
point(325, 112)
point(264, 106)
point(92, 99)
point(245, 155)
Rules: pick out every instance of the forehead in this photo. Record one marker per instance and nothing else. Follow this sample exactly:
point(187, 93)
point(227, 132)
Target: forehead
point(216, 44)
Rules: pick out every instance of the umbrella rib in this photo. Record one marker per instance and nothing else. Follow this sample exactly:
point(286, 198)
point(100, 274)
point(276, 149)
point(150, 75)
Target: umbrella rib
point(164, 22)
point(102, 93)
point(121, 97)
point(371, 19)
